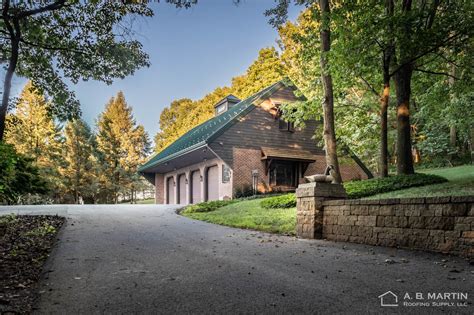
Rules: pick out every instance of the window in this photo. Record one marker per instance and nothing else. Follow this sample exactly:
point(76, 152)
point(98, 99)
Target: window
point(286, 125)
point(284, 173)
point(220, 109)
point(282, 124)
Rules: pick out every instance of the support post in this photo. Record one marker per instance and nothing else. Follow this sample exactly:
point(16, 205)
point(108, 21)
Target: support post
point(309, 206)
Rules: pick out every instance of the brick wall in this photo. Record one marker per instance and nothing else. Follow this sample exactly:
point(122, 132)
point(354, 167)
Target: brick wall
point(159, 189)
point(245, 161)
point(349, 169)
point(441, 224)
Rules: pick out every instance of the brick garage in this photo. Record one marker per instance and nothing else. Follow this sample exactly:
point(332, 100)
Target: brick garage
point(441, 224)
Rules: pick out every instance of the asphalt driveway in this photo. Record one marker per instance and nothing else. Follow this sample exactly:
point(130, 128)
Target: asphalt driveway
point(147, 259)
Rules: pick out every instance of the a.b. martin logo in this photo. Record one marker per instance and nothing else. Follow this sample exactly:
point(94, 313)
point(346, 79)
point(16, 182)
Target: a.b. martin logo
point(388, 299)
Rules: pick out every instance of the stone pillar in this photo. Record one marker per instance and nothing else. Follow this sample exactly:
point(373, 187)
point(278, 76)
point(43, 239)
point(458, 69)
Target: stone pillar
point(309, 200)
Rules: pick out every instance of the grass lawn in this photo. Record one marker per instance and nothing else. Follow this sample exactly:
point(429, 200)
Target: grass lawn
point(249, 215)
point(460, 183)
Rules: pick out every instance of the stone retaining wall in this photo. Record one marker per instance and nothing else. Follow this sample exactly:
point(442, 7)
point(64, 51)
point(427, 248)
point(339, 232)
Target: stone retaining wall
point(441, 224)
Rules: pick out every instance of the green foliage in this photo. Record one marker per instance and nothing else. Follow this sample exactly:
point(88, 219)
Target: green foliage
point(279, 202)
point(42, 230)
point(363, 34)
point(18, 176)
point(122, 146)
point(79, 171)
point(34, 133)
point(243, 191)
point(363, 188)
point(208, 206)
point(460, 183)
point(83, 39)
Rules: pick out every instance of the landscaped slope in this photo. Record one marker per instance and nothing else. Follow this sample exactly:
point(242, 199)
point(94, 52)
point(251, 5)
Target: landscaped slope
point(460, 183)
point(249, 214)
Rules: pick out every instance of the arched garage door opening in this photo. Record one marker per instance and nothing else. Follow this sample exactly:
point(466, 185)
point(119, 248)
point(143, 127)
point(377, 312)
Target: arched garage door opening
point(212, 183)
point(170, 190)
point(195, 187)
point(182, 189)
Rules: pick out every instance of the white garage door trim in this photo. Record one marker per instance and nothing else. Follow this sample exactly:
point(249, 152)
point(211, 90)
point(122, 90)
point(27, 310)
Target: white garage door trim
point(170, 190)
point(212, 183)
point(195, 186)
point(181, 189)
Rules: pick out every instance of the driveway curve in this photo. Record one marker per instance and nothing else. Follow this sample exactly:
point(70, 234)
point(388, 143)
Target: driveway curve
point(147, 259)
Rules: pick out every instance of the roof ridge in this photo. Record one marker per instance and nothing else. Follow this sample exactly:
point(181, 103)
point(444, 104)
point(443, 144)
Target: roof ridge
point(206, 128)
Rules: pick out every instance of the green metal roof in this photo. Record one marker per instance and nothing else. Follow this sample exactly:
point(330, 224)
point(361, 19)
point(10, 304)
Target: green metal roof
point(208, 130)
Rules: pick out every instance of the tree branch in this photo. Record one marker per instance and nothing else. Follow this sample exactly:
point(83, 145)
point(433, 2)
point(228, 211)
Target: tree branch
point(50, 7)
point(434, 48)
point(371, 88)
point(435, 72)
point(51, 47)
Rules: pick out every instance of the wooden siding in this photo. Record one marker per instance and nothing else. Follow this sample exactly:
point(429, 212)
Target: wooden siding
point(260, 129)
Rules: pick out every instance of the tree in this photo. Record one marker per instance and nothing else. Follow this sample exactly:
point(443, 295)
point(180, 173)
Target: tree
point(408, 36)
point(328, 102)
point(80, 40)
point(33, 132)
point(79, 170)
point(122, 146)
point(323, 15)
point(264, 71)
point(19, 176)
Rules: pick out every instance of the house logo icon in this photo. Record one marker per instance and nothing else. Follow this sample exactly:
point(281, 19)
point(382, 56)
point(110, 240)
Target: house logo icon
point(388, 299)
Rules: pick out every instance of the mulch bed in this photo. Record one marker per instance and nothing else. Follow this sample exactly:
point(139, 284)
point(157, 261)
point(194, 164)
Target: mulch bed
point(25, 244)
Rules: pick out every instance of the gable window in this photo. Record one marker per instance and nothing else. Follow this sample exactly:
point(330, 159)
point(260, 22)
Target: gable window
point(220, 109)
point(285, 125)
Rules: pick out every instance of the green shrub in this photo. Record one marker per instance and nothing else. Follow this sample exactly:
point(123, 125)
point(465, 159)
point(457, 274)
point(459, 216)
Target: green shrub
point(207, 206)
point(279, 202)
point(369, 187)
point(18, 176)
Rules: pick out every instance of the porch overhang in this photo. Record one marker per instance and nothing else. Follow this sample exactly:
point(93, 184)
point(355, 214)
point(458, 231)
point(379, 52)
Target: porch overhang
point(288, 154)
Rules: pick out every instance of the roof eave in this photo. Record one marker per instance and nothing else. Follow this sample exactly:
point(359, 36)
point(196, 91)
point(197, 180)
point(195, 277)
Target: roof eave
point(170, 157)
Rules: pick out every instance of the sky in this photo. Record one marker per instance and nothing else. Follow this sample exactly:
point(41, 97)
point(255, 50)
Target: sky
point(191, 51)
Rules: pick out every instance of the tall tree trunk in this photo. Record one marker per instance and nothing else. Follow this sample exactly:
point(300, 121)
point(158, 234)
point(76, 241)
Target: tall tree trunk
point(328, 104)
point(13, 28)
point(386, 61)
point(403, 90)
point(384, 129)
point(452, 129)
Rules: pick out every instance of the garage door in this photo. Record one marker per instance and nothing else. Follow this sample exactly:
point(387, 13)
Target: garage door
point(212, 183)
point(170, 190)
point(196, 187)
point(182, 189)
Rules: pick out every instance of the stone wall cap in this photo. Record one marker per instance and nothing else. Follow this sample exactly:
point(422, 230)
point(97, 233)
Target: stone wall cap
point(318, 189)
point(462, 199)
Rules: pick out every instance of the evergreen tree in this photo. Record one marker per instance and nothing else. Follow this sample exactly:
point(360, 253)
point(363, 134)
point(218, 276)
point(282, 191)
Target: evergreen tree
point(79, 170)
point(123, 146)
point(34, 134)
